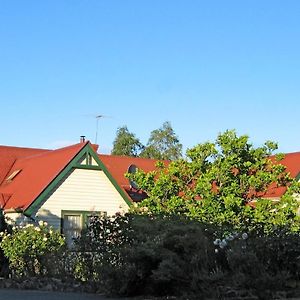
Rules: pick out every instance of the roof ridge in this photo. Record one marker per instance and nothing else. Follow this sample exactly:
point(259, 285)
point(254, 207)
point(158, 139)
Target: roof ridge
point(129, 157)
point(54, 151)
point(23, 148)
point(285, 154)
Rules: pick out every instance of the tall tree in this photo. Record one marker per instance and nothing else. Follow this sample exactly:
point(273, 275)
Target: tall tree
point(218, 181)
point(126, 143)
point(163, 144)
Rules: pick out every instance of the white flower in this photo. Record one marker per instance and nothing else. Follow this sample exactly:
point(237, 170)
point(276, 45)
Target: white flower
point(51, 231)
point(28, 225)
point(223, 244)
point(244, 236)
point(41, 223)
point(37, 229)
point(216, 250)
point(230, 237)
point(217, 242)
point(45, 239)
point(1, 233)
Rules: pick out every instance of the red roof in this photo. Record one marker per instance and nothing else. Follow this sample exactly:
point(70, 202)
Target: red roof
point(292, 163)
point(37, 168)
point(118, 167)
point(32, 170)
point(8, 156)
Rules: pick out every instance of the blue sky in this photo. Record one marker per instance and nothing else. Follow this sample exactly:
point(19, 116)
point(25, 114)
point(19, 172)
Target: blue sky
point(205, 66)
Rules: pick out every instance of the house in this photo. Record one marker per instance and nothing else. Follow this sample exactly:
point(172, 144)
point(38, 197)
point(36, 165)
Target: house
point(66, 186)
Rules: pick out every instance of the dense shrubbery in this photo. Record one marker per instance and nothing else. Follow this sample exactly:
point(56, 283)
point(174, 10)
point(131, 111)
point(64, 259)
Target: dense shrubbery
point(135, 254)
point(172, 255)
point(33, 250)
point(160, 255)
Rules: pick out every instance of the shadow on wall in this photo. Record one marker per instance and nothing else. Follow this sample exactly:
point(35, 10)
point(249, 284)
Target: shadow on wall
point(45, 215)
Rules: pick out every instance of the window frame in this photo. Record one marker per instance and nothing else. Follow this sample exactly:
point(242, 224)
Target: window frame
point(84, 214)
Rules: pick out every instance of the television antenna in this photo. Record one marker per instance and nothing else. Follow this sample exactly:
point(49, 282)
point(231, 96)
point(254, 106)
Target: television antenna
point(98, 117)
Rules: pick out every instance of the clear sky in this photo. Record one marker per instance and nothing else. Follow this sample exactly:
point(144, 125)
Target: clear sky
point(205, 66)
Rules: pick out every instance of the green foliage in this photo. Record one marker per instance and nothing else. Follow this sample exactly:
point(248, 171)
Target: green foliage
point(217, 182)
point(264, 263)
point(134, 254)
point(163, 144)
point(171, 255)
point(126, 143)
point(32, 250)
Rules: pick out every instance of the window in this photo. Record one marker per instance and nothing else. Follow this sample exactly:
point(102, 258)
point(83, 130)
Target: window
point(73, 222)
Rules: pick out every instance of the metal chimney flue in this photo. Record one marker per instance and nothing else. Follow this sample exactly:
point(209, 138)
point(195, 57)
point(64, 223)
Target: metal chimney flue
point(82, 139)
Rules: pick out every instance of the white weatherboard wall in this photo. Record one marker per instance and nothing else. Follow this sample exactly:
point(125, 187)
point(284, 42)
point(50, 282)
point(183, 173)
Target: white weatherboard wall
point(82, 190)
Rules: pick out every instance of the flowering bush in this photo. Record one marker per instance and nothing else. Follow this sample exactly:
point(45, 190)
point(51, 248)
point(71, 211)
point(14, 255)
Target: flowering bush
point(32, 250)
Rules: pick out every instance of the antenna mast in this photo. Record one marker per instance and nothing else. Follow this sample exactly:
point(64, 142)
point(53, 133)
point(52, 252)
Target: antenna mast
point(97, 125)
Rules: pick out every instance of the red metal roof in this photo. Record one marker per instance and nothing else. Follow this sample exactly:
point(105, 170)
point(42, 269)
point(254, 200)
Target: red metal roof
point(292, 163)
point(8, 156)
point(118, 167)
point(37, 170)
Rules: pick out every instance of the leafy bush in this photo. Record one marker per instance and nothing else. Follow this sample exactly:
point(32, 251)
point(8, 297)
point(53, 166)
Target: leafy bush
point(32, 250)
point(135, 254)
point(261, 262)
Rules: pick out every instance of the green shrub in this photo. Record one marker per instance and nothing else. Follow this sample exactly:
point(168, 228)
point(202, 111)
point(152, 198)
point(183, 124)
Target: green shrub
point(134, 254)
point(32, 250)
point(263, 263)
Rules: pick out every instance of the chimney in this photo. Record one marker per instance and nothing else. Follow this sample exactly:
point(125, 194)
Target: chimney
point(82, 139)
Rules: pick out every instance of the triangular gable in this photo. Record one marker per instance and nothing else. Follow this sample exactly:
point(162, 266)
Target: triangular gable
point(86, 158)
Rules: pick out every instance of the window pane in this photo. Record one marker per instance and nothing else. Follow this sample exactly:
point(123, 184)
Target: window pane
point(71, 228)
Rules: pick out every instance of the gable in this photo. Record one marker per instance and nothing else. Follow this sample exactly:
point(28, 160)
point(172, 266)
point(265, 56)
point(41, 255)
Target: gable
point(85, 159)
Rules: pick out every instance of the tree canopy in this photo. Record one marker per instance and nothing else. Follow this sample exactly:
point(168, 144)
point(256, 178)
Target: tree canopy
point(163, 144)
point(126, 143)
point(217, 182)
